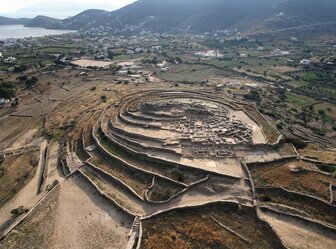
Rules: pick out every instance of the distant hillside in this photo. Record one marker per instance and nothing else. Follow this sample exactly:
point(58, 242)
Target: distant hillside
point(197, 15)
point(201, 15)
point(13, 21)
point(41, 22)
point(83, 19)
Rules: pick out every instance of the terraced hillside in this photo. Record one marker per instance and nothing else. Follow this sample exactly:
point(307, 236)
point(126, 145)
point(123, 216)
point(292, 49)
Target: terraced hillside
point(140, 162)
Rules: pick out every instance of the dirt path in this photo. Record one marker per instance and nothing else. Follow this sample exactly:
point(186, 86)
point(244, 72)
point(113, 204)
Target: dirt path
point(85, 220)
point(25, 138)
point(27, 197)
point(297, 234)
point(52, 169)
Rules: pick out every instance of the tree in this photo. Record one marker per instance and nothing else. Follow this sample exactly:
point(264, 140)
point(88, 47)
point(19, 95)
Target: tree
point(179, 60)
point(22, 78)
point(322, 113)
point(7, 90)
point(20, 68)
point(31, 82)
point(253, 95)
point(110, 55)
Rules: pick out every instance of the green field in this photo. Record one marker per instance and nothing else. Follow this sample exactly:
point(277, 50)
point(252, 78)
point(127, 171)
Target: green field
point(299, 100)
point(194, 73)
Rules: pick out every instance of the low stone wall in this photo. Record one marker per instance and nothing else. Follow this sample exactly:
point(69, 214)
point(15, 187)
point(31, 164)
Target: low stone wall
point(333, 194)
point(42, 176)
point(280, 136)
point(272, 229)
point(150, 158)
point(119, 133)
point(317, 161)
point(108, 175)
point(234, 204)
point(65, 169)
point(83, 144)
point(140, 236)
point(321, 226)
point(230, 230)
point(276, 160)
point(320, 204)
point(106, 197)
point(177, 194)
point(108, 154)
point(126, 120)
point(246, 169)
point(296, 195)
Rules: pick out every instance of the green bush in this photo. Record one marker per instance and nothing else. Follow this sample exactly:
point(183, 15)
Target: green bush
point(327, 168)
point(16, 212)
point(7, 90)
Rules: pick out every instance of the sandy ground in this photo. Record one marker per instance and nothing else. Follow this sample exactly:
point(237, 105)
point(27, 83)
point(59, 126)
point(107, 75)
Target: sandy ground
point(92, 63)
point(258, 137)
point(25, 138)
point(226, 166)
point(27, 197)
point(298, 235)
point(85, 220)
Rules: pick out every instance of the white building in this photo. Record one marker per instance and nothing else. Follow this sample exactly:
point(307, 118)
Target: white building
point(294, 39)
point(210, 54)
point(129, 51)
point(10, 59)
point(156, 49)
point(279, 52)
point(260, 48)
point(122, 73)
point(162, 65)
point(305, 62)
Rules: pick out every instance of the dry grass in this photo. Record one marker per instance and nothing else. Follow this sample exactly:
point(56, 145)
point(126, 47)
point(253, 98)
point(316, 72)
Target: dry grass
point(139, 182)
point(270, 132)
point(10, 127)
point(316, 152)
point(194, 228)
point(282, 175)
point(286, 150)
point(163, 190)
point(17, 171)
point(312, 208)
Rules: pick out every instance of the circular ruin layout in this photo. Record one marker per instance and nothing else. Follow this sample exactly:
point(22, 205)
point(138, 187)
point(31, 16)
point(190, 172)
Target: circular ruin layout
point(191, 128)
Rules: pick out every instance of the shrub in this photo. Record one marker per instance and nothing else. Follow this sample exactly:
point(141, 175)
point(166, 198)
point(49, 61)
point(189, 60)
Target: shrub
point(16, 212)
point(178, 175)
point(327, 168)
point(265, 198)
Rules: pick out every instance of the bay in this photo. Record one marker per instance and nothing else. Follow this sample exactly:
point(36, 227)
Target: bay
point(20, 31)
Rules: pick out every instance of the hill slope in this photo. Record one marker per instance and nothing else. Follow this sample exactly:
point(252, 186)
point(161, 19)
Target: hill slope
point(41, 22)
point(200, 15)
point(13, 21)
point(196, 15)
point(83, 19)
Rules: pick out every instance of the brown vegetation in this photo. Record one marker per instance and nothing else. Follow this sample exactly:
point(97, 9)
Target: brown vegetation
point(194, 228)
point(292, 175)
point(16, 172)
